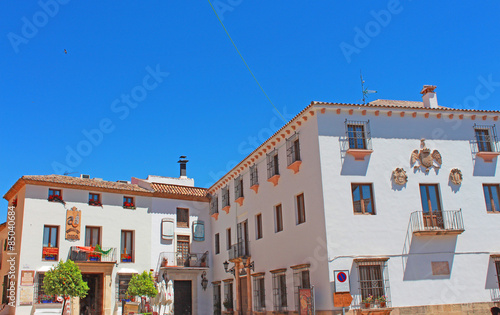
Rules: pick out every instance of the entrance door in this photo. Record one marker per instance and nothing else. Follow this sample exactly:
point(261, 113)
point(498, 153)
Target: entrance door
point(93, 302)
point(182, 297)
point(431, 205)
point(244, 295)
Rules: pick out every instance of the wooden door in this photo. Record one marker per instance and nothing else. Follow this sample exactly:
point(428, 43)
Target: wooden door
point(183, 302)
point(431, 206)
point(244, 295)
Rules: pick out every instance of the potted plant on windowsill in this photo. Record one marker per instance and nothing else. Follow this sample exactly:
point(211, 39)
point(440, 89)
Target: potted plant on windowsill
point(368, 301)
point(128, 205)
point(382, 300)
point(95, 203)
point(228, 305)
point(55, 198)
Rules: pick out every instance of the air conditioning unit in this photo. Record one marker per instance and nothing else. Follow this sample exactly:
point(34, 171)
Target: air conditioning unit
point(85, 176)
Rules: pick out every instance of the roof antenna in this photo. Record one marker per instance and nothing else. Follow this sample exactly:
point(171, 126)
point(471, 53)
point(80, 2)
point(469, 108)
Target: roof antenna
point(68, 173)
point(364, 91)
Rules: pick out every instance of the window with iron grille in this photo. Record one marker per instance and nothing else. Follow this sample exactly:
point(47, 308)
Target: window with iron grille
point(238, 187)
point(40, 296)
point(122, 282)
point(301, 280)
point(254, 177)
point(272, 164)
point(259, 293)
point(217, 299)
point(279, 292)
point(486, 138)
point(373, 279)
point(228, 292)
point(214, 204)
point(491, 196)
point(182, 217)
point(225, 197)
point(358, 134)
point(292, 149)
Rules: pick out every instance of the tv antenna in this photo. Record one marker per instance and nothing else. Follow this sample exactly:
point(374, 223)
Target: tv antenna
point(364, 91)
point(68, 173)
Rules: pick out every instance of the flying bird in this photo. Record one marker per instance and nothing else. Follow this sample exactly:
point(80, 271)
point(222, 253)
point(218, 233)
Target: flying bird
point(65, 51)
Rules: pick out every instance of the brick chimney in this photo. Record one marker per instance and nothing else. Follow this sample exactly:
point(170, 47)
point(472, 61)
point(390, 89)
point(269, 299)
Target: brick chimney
point(429, 96)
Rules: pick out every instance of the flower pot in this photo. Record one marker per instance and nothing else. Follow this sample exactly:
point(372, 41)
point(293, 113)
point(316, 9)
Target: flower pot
point(382, 304)
point(367, 305)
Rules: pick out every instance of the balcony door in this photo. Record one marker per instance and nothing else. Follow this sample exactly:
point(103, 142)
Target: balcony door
point(431, 206)
point(183, 250)
point(242, 235)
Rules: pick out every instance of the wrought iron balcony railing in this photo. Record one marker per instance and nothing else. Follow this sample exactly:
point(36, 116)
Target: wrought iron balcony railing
point(92, 254)
point(239, 250)
point(438, 222)
point(171, 259)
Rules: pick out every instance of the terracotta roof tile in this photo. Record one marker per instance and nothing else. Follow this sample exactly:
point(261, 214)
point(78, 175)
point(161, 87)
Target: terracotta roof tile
point(399, 103)
point(179, 190)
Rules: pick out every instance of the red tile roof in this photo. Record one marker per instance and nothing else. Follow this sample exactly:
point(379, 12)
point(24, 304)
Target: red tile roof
point(179, 190)
point(91, 183)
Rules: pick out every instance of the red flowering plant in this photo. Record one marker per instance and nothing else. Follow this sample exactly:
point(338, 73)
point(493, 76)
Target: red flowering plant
point(14, 203)
point(95, 203)
point(55, 198)
point(129, 205)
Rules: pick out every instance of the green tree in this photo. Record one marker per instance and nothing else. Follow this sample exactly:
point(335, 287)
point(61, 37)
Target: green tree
point(65, 280)
point(142, 285)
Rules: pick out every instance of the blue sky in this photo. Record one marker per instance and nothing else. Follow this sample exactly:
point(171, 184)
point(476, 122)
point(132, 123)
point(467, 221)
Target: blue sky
point(160, 79)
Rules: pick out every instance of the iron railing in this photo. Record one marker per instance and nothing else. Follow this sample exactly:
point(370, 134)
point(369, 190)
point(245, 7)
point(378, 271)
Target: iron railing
point(358, 135)
point(90, 254)
point(172, 259)
point(450, 220)
point(214, 204)
point(486, 139)
point(239, 250)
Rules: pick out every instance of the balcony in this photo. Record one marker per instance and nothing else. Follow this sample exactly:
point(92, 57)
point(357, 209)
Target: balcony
point(92, 254)
point(192, 260)
point(437, 223)
point(239, 250)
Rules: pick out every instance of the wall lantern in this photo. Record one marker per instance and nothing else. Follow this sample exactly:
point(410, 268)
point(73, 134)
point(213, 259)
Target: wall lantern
point(204, 281)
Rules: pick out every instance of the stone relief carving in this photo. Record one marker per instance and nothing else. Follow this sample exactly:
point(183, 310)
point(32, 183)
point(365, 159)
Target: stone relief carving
point(456, 176)
point(399, 176)
point(425, 158)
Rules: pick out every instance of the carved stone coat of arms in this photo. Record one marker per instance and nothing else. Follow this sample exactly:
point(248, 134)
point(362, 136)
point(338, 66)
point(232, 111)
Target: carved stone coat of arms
point(399, 176)
point(456, 176)
point(425, 158)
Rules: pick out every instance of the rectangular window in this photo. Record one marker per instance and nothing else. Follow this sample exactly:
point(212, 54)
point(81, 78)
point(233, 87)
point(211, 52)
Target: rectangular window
point(278, 218)
point(371, 279)
point(182, 218)
point(41, 297)
point(491, 193)
point(92, 236)
point(238, 187)
point(301, 209)
point(228, 238)
point(127, 246)
point(497, 265)
point(50, 249)
point(55, 195)
point(486, 138)
point(254, 176)
point(279, 292)
point(301, 280)
point(225, 197)
point(362, 198)
point(259, 293)
point(122, 282)
point(431, 206)
point(217, 243)
point(258, 226)
point(228, 295)
point(128, 202)
point(358, 134)
point(272, 164)
point(94, 199)
point(214, 205)
point(217, 299)
point(292, 149)
point(183, 250)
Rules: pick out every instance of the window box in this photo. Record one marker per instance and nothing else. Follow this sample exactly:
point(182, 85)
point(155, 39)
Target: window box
point(55, 198)
point(95, 203)
point(126, 258)
point(93, 257)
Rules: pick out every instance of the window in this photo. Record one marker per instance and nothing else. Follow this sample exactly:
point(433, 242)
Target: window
point(225, 197)
point(279, 291)
point(491, 193)
point(272, 164)
point(182, 217)
point(292, 149)
point(94, 199)
point(362, 198)
point(92, 236)
point(128, 203)
point(258, 226)
point(254, 176)
point(486, 138)
point(431, 205)
point(372, 278)
point(301, 280)
point(497, 265)
point(301, 209)
point(259, 293)
point(358, 134)
point(228, 238)
point(55, 195)
point(183, 250)
point(228, 293)
point(122, 282)
point(217, 243)
point(50, 249)
point(40, 295)
point(278, 218)
point(217, 299)
point(238, 187)
point(214, 205)
point(127, 246)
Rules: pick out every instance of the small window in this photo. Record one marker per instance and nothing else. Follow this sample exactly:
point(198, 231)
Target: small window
point(358, 134)
point(123, 280)
point(228, 238)
point(50, 249)
point(182, 218)
point(217, 299)
point(301, 209)
point(272, 164)
point(217, 243)
point(362, 197)
point(258, 226)
point(41, 297)
point(238, 187)
point(497, 266)
point(259, 294)
point(254, 176)
point(279, 292)
point(371, 279)
point(95, 199)
point(486, 138)
point(491, 196)
point(92, 235)
point(293, 149)
point(127, 246)
point(225, 197)
point(214, 204)
point(278, 218)
point(301, 280)
point(128, 203)
point(55, 195)
point(228, 295)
